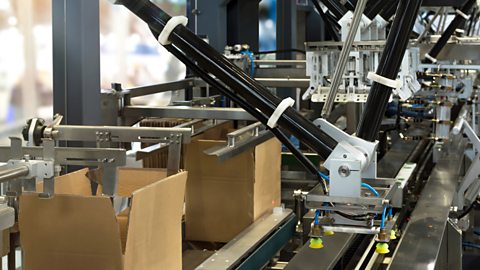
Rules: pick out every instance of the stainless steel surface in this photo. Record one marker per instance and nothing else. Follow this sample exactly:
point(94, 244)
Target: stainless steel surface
point(75, 155)
point(342, 60)
point(7, 174)
point(119, 134)
point(231, 254)
point(188, 112)
point(284, 82)
point(174, 155)
point(281, 62)
point(321, 45)
point(447, 66)
point(247, 131)
point(164, 87)
point(315, 200)
point(457, 51)
point(402, 178)
point(225, 152)
point(423, 235)
point(335, 247)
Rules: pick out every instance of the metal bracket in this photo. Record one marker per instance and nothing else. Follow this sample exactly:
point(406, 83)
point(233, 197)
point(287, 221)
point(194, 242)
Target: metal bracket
point(241, 140)
point(469, 186)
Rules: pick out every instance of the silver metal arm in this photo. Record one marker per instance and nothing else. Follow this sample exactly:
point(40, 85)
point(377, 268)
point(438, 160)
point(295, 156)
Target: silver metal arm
point(7, 173)
point(342, 61)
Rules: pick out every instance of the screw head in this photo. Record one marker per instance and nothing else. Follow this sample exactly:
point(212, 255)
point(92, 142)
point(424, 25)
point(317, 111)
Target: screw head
point(344, 171)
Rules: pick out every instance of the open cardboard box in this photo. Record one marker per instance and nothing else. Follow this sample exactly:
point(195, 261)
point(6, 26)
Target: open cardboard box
point(224, 198)
point(75, 230)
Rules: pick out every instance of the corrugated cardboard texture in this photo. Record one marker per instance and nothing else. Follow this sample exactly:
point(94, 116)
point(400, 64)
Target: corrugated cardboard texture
point(160, 158)
point(5, 242)
point(82, 232)
point(73, 183)
point(154, 239)
point(223, 198)
point(69, 232)
point(267, 193)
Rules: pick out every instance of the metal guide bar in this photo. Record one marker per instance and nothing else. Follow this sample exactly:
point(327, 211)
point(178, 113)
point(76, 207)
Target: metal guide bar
point(74, 155)
point(244, 244)
point(188, 112)
point(118, 134)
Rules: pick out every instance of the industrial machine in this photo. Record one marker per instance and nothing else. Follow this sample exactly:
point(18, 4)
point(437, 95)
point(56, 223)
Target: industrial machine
point(382, 176)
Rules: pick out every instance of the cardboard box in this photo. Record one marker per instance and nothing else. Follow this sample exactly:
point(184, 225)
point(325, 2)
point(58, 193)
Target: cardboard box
point(75, 230)
point(224, 198)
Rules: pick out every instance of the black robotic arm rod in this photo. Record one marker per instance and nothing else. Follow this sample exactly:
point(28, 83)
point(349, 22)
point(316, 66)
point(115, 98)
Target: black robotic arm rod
point(388, 67)
point(456, 23)
point(255, 94)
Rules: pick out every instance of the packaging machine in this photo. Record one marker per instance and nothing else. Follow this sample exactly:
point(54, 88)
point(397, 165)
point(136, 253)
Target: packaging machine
point(394, 188)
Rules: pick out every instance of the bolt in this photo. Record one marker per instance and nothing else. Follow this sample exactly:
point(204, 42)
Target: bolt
point(344, 171)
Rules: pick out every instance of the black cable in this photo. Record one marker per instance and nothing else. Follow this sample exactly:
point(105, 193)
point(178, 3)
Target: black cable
point(388, 67)
point(456, 22)
point(257, 95)
point(255, 113)
point(468, 210)
point(361, 217)
point(328, 25)
point(350, 5)
point(388, 11)
point(470, 21)
point(335, 8)
point(375, 7)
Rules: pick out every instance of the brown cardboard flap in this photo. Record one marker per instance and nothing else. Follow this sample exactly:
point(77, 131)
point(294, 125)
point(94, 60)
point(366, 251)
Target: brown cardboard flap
point(223, 198)
point(267, 182)
point(131, 179)
point(217, 133)
point(73, 183)
point(53, 234)
point(219, 194)
point(239, 167)
point(155, 217)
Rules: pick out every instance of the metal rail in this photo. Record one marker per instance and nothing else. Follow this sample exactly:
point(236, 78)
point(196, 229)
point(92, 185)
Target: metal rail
point(7, 174)
point(342, 61)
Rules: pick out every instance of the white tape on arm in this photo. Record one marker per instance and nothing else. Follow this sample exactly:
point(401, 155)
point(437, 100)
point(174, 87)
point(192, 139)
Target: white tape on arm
point(431, 58)
point(163, 38)
point(395, 84)
point(284, 105)
point(465, 16)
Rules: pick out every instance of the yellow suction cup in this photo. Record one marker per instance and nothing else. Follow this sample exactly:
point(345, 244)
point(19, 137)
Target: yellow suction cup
point(382, 248)
point(393, 235)
point(328, 233)
point(316, 243)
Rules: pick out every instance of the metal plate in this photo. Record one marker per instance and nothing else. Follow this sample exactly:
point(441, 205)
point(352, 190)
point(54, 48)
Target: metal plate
point(424, 233)
point(188, 112)
point(325, 258)
point(240, 247)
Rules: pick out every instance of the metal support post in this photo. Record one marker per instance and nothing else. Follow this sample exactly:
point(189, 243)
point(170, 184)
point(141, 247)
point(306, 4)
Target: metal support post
point(76, 61)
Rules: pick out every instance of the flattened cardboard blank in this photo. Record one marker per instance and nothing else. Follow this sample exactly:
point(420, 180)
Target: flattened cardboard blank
point(223, 198)
point(73, 231)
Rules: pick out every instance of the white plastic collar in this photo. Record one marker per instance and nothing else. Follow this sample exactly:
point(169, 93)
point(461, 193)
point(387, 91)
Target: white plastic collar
point(431, 58)
point(285, 104)
point(395, 84)
point(163, 38)
point(465, 16)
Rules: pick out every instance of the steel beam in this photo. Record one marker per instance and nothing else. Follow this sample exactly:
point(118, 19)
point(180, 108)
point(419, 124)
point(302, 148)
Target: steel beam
point(76, 61)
